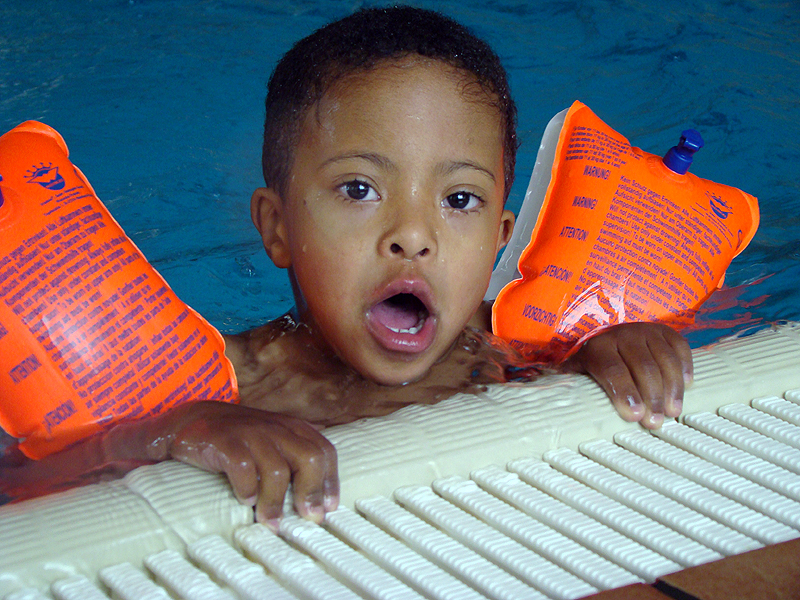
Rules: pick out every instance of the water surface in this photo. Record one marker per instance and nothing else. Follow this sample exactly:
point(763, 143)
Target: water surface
point(161, 101)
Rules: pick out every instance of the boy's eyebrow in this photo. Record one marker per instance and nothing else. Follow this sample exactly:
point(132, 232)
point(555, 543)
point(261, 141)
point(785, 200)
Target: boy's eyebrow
point(451, 167)
point(378, 160)
point(444, 168)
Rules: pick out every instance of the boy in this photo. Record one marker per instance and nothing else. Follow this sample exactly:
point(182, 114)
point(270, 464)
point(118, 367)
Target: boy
point(389, 152)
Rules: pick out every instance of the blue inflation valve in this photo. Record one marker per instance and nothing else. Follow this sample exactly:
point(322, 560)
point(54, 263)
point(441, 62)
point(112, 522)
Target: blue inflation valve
point(679, 158)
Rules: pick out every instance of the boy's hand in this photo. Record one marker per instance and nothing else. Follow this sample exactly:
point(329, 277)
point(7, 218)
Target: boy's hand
point(260, 452)
point(643, 367)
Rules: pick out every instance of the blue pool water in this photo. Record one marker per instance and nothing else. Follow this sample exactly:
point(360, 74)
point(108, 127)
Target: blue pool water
point(161, 101)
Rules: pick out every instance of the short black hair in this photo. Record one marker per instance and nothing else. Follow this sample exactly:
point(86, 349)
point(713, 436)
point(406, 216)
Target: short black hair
point(358, 43)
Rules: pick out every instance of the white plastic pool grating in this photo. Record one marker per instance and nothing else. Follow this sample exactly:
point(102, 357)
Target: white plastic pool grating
point(561, 526)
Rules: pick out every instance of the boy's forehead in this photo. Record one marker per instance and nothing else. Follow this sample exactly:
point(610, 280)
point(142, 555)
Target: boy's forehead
point(396, 72)
point(384, 82)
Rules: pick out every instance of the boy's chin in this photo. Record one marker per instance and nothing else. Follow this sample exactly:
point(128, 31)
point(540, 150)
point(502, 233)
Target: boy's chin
point(396, 374)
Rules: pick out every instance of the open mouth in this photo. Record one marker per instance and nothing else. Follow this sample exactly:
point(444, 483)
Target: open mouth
point(402, 322)
point(401, 313)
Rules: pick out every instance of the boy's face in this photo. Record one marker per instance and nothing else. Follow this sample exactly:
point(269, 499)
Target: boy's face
point(393, 216)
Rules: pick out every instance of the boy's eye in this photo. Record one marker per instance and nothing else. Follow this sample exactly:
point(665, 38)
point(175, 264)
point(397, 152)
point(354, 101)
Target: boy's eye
point(462, 201)
point(358, 190)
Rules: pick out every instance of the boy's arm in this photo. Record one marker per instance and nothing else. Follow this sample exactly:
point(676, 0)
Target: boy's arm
point(259, 452)
point(643, 367)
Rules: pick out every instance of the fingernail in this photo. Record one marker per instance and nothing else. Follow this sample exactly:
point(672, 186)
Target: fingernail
point(635, 406)
point(251, 501)
point(655, 420)
point(274, 525)
point(677, 407)
point(632, 401)
point(315, 512)
point(330, 503)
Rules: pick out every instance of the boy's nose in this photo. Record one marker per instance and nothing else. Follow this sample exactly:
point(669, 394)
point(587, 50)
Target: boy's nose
point(411, 235)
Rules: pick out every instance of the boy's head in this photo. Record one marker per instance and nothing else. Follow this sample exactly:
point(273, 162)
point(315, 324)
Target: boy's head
point(390, 210)
point(358, 43)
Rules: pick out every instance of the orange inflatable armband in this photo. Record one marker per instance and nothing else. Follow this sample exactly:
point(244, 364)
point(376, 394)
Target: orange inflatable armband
point(90, 333)
point(622, 235)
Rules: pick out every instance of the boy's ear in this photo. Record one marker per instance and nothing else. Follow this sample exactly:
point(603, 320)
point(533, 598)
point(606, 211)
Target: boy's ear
point(266, 210)
point(506, 229)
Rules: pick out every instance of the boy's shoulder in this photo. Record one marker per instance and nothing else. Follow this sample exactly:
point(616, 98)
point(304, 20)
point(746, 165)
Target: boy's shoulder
point(257, 345)
point(276, 365)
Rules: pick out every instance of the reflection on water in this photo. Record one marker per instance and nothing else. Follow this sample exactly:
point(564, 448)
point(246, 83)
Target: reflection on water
point(730, 309)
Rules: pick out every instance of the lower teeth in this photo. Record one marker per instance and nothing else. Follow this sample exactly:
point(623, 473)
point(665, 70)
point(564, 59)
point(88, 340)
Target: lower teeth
point(412, 330)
